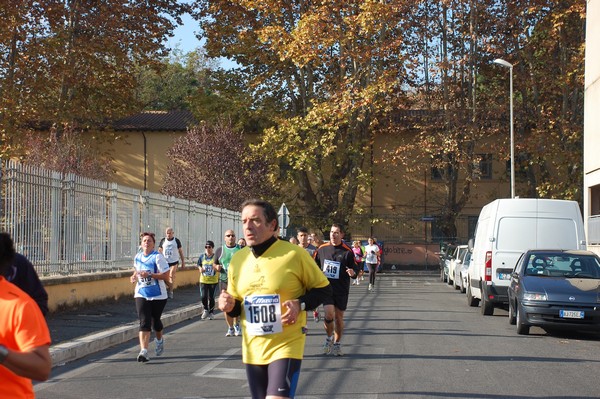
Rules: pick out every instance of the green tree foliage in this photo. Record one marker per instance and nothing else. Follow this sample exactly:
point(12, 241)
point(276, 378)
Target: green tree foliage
point(174, 81)
point(226, 96)
point(212, 165)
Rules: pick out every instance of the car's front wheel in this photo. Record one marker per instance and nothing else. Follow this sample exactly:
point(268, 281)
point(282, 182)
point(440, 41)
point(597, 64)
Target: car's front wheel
point(522, 328)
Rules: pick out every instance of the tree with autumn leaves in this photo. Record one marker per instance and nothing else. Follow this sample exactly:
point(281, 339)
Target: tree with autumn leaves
point(343, 71)
point(331, 67)
point(318, 82)
point(74, 63)
point(211, 164)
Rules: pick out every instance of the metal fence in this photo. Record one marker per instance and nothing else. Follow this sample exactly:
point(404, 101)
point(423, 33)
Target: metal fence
point(66, 224)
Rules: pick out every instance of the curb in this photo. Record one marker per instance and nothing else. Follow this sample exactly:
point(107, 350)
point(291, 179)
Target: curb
point(76, 349)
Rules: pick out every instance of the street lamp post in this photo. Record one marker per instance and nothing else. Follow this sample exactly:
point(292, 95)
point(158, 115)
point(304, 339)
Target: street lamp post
point(507, 64)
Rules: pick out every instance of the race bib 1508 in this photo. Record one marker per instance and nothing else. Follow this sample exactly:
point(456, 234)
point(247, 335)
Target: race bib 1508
point(263, 314)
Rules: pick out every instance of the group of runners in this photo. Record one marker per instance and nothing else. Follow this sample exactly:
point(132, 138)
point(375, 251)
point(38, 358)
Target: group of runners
point(266, 289)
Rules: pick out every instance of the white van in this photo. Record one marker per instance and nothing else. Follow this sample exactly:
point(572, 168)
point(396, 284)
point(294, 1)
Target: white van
point(508, 227)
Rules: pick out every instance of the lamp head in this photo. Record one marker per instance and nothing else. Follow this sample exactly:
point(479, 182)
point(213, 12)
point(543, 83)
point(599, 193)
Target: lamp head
point(503, 62)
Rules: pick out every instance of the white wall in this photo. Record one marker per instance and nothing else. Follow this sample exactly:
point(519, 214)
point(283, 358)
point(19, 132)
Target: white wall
point(591, 131)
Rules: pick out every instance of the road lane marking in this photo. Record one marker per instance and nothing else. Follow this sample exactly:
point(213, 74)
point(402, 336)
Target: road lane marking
point(208, 369)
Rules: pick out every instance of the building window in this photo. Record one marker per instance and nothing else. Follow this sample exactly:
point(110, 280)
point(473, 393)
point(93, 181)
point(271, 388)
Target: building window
point(485, 166)
point(521, 166)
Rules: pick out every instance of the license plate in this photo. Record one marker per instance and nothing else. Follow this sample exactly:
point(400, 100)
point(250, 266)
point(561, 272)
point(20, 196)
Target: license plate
point(571, 314)
point(504, 276)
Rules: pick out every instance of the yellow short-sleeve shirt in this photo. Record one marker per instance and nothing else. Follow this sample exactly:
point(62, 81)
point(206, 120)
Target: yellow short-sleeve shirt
point(284, 270)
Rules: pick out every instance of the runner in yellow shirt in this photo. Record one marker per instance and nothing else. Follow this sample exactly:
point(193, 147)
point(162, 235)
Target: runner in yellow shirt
point(270, 284)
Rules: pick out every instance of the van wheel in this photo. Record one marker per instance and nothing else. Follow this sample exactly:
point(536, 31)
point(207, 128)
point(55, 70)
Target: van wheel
point(522, 328)
point(471, 300)
point(512, 318)
point(487, 308)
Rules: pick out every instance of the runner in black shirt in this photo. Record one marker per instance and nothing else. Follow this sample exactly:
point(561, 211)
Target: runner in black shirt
point(336, 259)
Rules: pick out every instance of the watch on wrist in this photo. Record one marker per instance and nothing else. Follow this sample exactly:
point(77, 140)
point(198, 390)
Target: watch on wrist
point(3, 353)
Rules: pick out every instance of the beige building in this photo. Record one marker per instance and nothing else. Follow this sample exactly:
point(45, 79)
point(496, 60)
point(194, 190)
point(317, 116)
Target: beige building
point(140, 159)
point(591, 131)
point(404, 206)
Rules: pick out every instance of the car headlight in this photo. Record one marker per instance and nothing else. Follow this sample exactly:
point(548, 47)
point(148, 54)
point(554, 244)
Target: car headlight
point(534, 296)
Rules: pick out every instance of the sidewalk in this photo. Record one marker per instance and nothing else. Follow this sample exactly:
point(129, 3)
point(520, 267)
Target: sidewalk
point(81, 331)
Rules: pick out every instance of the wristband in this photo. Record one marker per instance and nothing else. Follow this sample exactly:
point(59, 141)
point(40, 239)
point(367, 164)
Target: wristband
point(3, 353)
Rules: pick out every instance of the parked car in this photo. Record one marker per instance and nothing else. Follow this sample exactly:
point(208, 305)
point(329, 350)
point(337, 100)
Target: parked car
point(463, 258)
point(555, 288)
point(457, 257)
point(464, 271)
point(446, 252)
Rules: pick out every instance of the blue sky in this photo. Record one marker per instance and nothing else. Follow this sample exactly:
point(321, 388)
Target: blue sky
point(184, 35)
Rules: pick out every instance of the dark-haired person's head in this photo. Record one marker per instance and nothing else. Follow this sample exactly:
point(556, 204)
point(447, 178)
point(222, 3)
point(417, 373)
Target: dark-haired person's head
point(7, 252)
point(302, 229)
point(303, 236)
point(259, 219)
point(336, 234)
point(148, 234)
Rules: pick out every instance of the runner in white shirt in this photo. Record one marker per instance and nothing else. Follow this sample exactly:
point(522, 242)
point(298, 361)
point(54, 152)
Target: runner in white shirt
point(171, 248)
point(372, 255)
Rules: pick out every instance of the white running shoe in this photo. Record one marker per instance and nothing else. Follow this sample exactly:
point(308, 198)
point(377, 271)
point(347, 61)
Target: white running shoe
point(353, 282)
point(237, 330)
point(229, 332)
point(370, 286)
point(357, 282)
point(160, 346)
point(327, 345)
point(143, 356)
point(211, 316)
point(204, 315)
point(337, 349)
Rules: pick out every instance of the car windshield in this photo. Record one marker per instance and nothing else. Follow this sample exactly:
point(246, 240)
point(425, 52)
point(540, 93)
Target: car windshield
point(562, 265)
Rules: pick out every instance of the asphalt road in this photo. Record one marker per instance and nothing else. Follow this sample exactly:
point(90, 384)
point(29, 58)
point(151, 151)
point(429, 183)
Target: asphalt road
point(415, 337)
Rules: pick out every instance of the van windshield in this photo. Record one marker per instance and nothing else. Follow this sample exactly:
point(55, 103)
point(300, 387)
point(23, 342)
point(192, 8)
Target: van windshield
point(526, 233)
